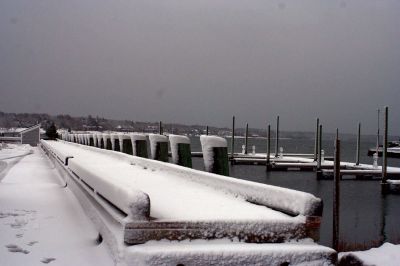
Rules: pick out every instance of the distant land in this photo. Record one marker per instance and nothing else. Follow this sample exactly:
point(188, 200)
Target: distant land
point(96, 123)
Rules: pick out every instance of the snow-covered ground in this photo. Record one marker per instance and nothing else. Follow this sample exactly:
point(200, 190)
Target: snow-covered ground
point(41, 222)
point(386, 255)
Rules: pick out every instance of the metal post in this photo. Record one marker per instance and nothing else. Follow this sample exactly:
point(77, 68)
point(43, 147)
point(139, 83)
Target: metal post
point(233, 140)
point(316, 141)
point(277, 137)
point(319, 148)
point(377, 135)
point(384, 152)
point(246, 138)
point(268, 153)
point(160, 128)
point(336, 195)
point(358, 144)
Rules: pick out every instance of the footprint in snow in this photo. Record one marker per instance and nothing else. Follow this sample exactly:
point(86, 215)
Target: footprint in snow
point(14, 248)
point(47, 260)
point(32, 243)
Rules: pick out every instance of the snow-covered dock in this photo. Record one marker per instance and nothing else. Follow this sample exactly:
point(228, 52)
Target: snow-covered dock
point(134, 200)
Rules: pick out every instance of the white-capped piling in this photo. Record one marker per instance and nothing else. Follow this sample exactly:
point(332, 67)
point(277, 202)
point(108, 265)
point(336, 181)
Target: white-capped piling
point(91, 139)
point(125, 143)
point(95, 140)
point(107, 141)
point(159, 147)
point(316, 141)
point(114, 142)
point(100, 141)
point(277, 137)
point(180, 150)
point(246, 139)
point(384, 184)
point(215, 154)
point(233, 140)
point(336, 194)
point(139, 145)
point(358, 144)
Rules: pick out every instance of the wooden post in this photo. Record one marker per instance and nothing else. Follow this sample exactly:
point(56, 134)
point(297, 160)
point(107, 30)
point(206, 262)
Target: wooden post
point(268, 153)
point(139, 145)
point(180, 149)
point(277, 137)
point(319, 148)
point(385, 185)
point(159, 147)
point(377, 134)
point(233, 140)
point(246, 137)
point(358, 144)
point(316, 141)
point(215, 154)
point(207, 130)
point(336, 195)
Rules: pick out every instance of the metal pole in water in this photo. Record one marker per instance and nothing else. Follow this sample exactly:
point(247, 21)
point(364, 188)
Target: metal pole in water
point(160, 129)
point(319, 148)
point(358, 144)
point(246, 138)
point(268, 153)
point(377, 135)
point(277, 137)
point(233, 140)
point(336, 195)
point(384, 153)
point(316, 141)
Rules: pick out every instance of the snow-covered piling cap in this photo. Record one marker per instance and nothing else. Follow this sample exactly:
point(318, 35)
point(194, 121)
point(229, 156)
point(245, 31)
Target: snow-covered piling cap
point(174, 140)
point(207, 145)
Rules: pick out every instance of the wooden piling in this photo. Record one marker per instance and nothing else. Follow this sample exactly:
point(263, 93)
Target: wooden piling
point(316, 141)
point(215, 154)
point(268, 153)
point(207, 130)
point(277, 137)
point(358, 144)
point(336, 195)
point(384, 184)
point(233, 140)
point(180, 150)
point(139, 145)
point(159, 147)
point(246, 139)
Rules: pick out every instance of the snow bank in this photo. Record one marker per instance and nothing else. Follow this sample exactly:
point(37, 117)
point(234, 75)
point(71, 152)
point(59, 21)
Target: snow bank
point(207, 145)
point(174, 140)
point(154, 139)
point(386, 255)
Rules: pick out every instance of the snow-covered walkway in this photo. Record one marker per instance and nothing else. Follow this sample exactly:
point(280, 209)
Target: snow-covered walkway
point(41, 221)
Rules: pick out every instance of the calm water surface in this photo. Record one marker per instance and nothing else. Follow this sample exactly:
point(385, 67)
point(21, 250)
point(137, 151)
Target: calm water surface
point(364, 214)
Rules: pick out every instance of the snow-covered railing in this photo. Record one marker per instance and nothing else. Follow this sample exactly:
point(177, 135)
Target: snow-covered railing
point(112, 192)
point(61, 156)
point(134, 204)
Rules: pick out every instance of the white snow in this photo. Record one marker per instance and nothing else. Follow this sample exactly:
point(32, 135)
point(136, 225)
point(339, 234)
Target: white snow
point(386, 255)
point(40, 220)
point(225, 252)
point(207, 145)
point(174, 140)
point(154, 139)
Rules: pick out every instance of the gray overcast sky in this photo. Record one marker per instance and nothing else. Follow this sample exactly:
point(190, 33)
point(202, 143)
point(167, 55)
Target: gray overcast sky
point(202, 61)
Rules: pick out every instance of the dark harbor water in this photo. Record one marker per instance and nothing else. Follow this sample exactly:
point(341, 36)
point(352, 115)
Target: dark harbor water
point(365, 215)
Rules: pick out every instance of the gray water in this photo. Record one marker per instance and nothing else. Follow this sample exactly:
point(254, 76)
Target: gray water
point(365, 215)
